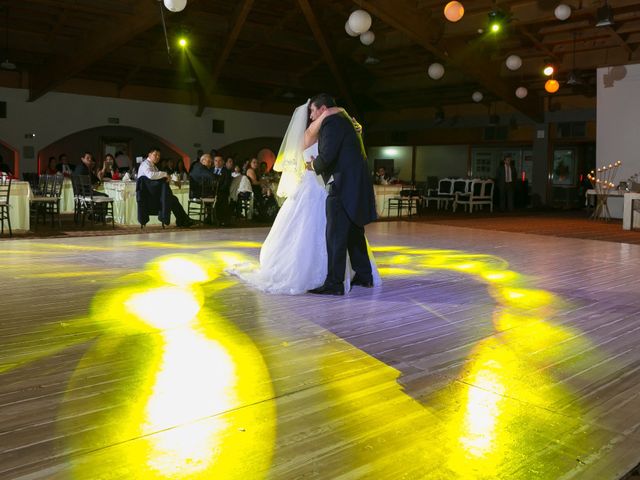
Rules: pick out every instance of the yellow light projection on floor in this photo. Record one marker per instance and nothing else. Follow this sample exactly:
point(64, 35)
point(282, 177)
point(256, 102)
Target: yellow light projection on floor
point(201, 396)
point(185, 394)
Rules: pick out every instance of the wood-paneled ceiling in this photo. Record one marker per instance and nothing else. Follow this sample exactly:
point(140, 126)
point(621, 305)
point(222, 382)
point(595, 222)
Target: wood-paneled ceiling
point(282, 51)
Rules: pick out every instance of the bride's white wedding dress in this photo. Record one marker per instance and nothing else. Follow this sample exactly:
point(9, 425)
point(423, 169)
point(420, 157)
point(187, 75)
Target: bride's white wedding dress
point(293, 258)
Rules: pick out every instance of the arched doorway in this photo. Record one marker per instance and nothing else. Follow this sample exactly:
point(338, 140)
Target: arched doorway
point(11, 157)
point(133, 142)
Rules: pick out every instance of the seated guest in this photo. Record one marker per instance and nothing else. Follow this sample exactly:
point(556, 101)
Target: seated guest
point(123, 162)
point(222, 197)
point(87, 167)
point(199, 174)
point(149, 169)
point(181, 171)
point(230, 164)
point(63, 166)
point(256, 186)
point(50, 169)
point(236, 172)
point(109, 169)
point(381, 177)
point(202, 181)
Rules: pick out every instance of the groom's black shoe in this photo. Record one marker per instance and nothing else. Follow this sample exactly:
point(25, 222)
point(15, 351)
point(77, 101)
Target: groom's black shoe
point(361, 282)
point(324, 290)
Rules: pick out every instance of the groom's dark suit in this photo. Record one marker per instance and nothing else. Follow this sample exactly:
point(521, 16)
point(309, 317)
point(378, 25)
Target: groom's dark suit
point(351, 204)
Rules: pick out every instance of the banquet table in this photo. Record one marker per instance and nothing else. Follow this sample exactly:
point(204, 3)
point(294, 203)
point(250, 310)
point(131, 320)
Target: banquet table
point(604, 209)
point(383, 193)
point(66, 199)
point(125, 206)
point(19, 206)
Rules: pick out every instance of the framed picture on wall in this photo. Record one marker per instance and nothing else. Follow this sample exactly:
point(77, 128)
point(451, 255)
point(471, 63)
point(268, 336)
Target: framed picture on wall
point(563, 171)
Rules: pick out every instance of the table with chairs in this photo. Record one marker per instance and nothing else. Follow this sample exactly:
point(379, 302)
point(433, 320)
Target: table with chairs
point(125, 206)
point(14, 199)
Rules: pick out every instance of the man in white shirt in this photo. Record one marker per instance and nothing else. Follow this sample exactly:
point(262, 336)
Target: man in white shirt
point(149, 169)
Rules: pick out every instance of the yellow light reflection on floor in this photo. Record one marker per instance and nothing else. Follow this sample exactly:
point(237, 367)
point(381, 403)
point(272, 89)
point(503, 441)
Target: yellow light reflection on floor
point(200, 382)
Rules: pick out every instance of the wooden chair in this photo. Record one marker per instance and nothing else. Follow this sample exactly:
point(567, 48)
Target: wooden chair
point(442, 195)
point(47, 202)
point(408, 199)
point(90, 204)
point(480, 193)
point(5, 190)
point(202, 199)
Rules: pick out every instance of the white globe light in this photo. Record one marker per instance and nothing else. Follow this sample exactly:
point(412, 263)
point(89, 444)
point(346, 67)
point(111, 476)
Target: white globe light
point(359, 21)
point(436, 71)
point(513, 62)
point(477, 96)
point(350, 32)
point(562, 12)
point(521, 92)
point(175, 5)
point(367, 38)
point(453, 11)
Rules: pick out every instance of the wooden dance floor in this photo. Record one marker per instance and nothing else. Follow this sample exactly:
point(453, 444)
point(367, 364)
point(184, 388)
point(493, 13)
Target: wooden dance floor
point(483, 355)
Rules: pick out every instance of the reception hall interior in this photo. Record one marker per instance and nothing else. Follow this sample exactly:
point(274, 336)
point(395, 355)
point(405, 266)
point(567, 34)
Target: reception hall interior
point(502, 142)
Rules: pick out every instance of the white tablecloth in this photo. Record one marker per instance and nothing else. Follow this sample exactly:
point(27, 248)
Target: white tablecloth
point(627, 211)
point(615, 206)
point(66, 199)
point(383, 193)
point(125, 206)
point(19, 206)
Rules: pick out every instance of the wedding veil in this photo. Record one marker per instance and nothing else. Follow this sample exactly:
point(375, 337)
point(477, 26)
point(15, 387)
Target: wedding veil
point(290, 160)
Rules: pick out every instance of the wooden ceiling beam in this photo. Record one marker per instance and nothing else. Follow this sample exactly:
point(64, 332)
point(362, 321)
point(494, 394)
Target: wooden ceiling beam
point(206, 86)
point(326, 52)
point(403, 16)
point(52, 74)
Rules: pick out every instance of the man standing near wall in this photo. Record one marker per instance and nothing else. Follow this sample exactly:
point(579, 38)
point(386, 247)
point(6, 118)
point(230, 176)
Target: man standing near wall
point(506, 179)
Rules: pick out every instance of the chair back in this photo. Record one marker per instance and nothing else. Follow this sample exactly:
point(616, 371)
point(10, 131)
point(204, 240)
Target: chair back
point(460, 185)
point(203, 188)
point(84, 187)
point(51, 185)
point(488, 188)
point(34, 182)
point(476, 187)
point(5, 188)
point(445, 186)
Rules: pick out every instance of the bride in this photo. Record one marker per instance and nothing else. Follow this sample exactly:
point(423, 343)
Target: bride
point(293, 258)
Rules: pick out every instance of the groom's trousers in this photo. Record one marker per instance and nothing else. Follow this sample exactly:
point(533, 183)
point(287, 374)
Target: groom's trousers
point(343, 235)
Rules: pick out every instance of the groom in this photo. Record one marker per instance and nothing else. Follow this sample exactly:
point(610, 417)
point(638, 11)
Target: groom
point(351, 204)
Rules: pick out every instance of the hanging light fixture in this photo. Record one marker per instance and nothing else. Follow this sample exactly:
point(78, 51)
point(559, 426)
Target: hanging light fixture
point(435, 71)
point(367, 38)
point(548, 69)
point(604, 16)
point(513, 62)
point(573, 78)
point(453, 11)
point(551, 85)
point(347, 29)
point(562, 12)
point(477, 96)
point(522, 92)
point(359, 21)
point(175, 5)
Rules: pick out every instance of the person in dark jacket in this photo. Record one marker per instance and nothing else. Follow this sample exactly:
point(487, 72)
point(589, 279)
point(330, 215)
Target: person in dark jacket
point(351, 203)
